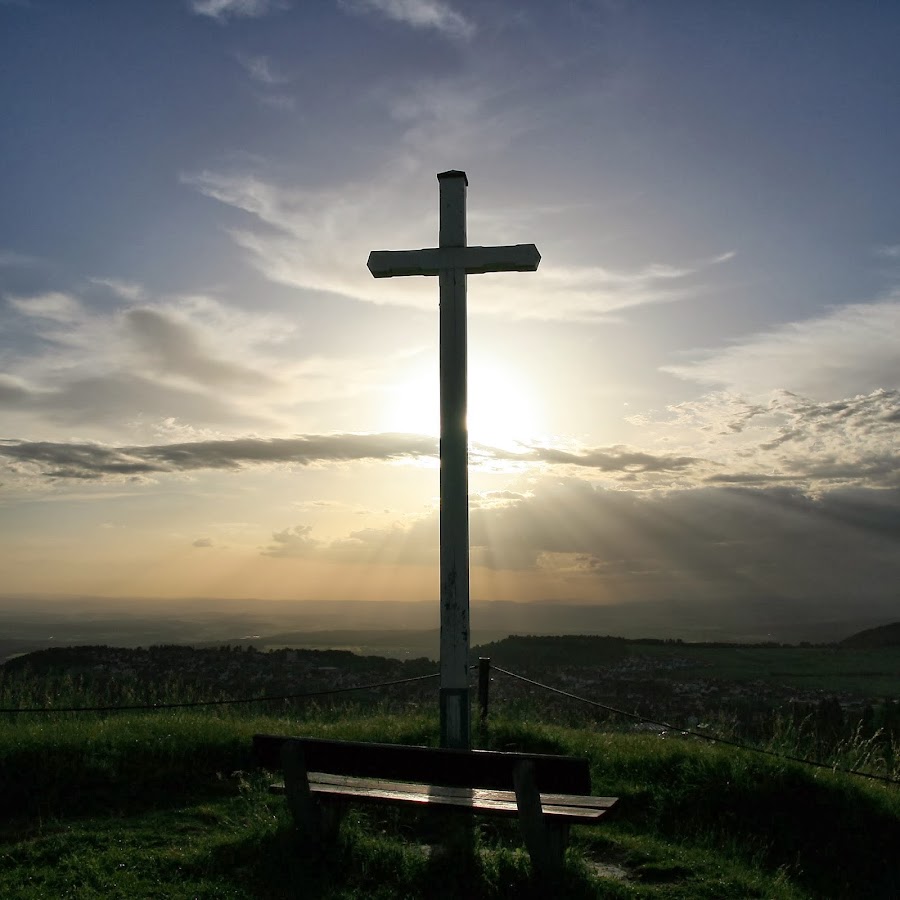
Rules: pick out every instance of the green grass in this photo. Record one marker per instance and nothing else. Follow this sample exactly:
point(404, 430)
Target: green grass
point(167, 805)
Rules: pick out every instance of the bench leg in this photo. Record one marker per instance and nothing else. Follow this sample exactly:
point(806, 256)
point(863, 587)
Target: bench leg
point(545, 842)
point(330, 816)
point(305, 810)
point(317, 822)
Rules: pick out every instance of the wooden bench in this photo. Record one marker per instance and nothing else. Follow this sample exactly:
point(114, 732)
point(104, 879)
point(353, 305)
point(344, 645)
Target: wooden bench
point(546, 793)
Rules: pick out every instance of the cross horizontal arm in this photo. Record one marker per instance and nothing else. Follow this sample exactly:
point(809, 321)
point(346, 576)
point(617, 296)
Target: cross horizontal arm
point(475, 260)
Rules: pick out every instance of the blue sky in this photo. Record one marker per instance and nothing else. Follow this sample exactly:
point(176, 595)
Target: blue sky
point(204, 392)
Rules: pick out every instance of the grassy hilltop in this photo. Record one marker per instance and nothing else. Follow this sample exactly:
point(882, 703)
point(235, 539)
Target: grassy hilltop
point(166, 803)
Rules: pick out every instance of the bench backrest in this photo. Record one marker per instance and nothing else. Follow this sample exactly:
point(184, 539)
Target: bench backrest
point(430, 765)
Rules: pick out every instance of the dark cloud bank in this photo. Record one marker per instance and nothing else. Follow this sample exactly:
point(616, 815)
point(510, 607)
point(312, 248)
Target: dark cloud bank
point(92, 461)
point(89, 460)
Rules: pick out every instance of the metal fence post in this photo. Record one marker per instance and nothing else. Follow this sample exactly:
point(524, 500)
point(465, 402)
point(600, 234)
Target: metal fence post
point(484, 681)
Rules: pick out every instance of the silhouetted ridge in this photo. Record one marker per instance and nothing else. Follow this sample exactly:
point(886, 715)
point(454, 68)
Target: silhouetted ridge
point(883, 636)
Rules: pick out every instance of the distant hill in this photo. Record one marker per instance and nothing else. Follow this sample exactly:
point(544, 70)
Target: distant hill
point(883, 636)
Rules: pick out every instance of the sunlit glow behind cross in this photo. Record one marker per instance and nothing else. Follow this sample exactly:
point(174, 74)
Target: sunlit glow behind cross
point(452, 260)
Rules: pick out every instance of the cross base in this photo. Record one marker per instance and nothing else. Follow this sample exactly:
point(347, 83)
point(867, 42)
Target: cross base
point(455, 718)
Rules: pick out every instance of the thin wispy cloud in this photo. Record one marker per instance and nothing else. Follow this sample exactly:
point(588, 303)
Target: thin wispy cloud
point(267, 80)
point(261, 70)
point(444, 118)
point(321, 239)
point(10, 258)
point(55, 306)
point(222, 10)
point(124, 290)
point(423, 14)
point(852, 349)
point(278, 101)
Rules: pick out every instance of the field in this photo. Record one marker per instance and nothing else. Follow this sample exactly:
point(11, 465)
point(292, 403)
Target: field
point(167, 804)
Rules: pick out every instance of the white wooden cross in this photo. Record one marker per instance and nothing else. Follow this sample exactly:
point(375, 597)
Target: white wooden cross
point(451, 261)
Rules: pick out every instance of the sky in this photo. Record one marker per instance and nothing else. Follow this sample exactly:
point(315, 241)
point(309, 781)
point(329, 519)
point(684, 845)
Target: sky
point(204, 393)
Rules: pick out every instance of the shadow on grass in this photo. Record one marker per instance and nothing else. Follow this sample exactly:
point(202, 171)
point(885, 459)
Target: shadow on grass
point(365, 865)
point(73, 783)
point(829, 835)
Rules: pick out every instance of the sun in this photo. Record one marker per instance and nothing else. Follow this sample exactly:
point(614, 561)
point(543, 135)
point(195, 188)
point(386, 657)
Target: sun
point(503, 410)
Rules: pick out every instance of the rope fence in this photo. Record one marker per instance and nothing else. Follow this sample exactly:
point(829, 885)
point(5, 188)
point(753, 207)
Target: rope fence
point(227, 702)
point(484, 669)
point(715, 739)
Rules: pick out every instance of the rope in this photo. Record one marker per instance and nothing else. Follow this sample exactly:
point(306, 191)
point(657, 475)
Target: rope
point(372, 686)
point(699, 734)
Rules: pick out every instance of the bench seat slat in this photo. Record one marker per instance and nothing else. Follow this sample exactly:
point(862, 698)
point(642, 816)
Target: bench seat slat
point(480, 793)
point(476, 800)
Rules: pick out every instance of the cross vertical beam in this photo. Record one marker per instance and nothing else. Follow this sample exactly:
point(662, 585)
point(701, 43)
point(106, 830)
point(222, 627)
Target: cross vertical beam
point(452, 261)
point(454, 516)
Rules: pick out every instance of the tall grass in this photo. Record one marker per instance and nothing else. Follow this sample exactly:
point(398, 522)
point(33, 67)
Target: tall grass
point(695, 819)
point(687, 809)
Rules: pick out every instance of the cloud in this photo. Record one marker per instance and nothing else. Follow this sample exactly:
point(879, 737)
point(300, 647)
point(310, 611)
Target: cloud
point(321, 239)
point(294, 543)
point(852, 349)
point(124, 290)
point(191, 358)
point(82, 461)
point(116, 399)
point(617, 459)
point(91, 460)
point(202, 542)
point(222, 10)
point(13, 391)
point(890, 251)
point(172, 346)
point(813, 403)
point(55, 306)
point(812, 445)
point(10, 258)
point(414, 543)
point(418, 14)
point(278, 101)
point(266, 79)
point(854, 441)
point(259, 68)
point(774, 545)
point(494, 498)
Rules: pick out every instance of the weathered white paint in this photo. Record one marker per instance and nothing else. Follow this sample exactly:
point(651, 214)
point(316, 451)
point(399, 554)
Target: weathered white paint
point(474, 260)
point(451, 261)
